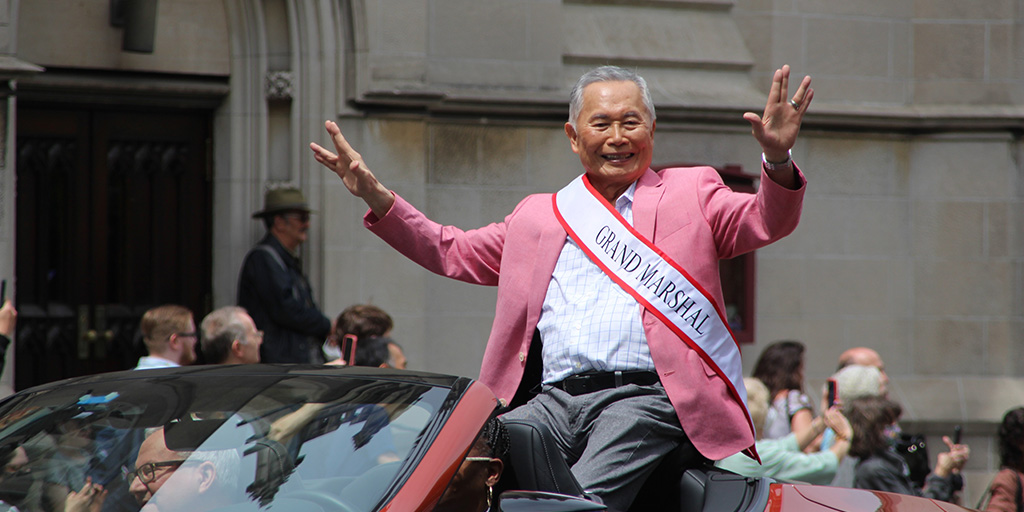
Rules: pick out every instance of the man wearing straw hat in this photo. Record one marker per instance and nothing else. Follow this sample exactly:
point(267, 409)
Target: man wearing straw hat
point(273, 289)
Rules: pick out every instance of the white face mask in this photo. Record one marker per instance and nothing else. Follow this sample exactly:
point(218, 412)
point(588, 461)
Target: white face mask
point(331, 351)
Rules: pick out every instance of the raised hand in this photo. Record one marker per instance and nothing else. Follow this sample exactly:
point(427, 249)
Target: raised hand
point(954, 459)
point(89, 498)
point(348, 164)
point(776, 130)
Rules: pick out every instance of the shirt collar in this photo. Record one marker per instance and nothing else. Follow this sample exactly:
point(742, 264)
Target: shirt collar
point(626, 199)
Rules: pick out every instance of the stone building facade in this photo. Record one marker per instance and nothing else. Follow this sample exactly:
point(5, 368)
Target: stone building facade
point(911, 238)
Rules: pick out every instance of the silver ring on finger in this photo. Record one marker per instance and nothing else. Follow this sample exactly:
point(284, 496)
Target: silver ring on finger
point(795, 104)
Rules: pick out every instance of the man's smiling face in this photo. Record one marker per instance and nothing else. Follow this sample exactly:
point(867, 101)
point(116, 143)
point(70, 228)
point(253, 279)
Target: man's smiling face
point(614, 136)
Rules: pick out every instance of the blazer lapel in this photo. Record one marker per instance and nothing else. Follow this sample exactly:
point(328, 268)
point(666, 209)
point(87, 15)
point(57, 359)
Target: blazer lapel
point(646, 198)
point(549, 246)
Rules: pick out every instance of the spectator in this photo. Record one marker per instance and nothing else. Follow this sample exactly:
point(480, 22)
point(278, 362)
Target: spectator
point(471, 489)
point(396, 356)
point(1006, 493)
point(852, 382)
point(865, 357)
point(169, 333)
point(359, 321)
point(8, 319)
point(230, 337)
point(856, 381)
point(372, 351)
point(880, 467)
point(272, 287)
point(783, 458)
point(781, 368)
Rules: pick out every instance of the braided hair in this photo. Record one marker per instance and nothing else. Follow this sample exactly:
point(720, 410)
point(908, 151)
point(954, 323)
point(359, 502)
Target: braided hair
point(495, 436)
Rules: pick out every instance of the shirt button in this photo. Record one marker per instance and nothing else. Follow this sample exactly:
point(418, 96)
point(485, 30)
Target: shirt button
point(522, 357)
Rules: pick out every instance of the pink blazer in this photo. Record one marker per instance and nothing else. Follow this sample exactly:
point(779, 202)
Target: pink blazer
point(687, 212)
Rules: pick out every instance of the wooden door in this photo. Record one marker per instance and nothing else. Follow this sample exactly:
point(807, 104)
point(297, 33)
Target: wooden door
point(113, 217)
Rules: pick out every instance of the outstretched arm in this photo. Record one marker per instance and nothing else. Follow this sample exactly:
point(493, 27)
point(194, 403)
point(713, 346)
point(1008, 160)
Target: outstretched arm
point(350, 167)
point(776, 130)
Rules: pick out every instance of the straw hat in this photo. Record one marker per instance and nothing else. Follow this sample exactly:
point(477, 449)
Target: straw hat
point(282, 199)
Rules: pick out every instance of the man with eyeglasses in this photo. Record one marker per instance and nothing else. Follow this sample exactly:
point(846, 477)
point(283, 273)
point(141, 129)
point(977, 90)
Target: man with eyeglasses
point(169, 332)
point(273, 289)
point(230, 337)
point(168, 480)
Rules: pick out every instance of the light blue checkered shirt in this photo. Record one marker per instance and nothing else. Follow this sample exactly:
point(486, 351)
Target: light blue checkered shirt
point(587, 321)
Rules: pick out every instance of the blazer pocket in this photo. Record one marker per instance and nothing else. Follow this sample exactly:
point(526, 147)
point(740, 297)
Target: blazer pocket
point(709, 371)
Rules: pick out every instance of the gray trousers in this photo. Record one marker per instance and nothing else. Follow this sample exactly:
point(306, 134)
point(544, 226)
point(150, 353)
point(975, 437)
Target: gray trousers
point(612, 439)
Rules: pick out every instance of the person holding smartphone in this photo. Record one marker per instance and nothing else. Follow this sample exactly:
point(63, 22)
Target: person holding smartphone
point(783, 458)
point(881, 468)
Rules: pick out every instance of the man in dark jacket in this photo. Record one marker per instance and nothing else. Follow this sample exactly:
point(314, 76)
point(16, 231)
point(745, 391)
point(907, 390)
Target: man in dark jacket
point(273, 289)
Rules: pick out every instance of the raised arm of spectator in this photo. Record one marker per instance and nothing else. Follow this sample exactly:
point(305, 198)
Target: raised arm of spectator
point(835, 420)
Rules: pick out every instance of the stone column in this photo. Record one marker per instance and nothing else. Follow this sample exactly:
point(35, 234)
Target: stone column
point(10, 69)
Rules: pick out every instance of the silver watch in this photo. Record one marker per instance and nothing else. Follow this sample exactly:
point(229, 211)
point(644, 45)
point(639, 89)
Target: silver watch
point(775, 166)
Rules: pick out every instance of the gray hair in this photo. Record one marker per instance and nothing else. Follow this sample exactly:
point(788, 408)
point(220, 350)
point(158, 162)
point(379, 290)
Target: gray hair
point(227, 462)
point(221, 317)
point(220, 329)
point(856, 381)
point(608, 74)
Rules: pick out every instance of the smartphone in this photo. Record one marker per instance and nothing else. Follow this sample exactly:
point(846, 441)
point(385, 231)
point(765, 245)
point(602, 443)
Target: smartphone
point(831, 393)
point(957, 430)
point(3, 292)
point(350, 341)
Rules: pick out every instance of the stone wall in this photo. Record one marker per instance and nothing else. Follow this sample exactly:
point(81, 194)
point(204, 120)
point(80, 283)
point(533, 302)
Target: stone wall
point(910, 239)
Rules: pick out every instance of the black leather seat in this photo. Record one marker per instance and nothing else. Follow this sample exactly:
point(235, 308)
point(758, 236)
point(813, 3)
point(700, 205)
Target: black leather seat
point(536, 462)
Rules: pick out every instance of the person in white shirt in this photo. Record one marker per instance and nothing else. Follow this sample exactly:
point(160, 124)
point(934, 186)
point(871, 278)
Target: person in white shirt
point(169, 332)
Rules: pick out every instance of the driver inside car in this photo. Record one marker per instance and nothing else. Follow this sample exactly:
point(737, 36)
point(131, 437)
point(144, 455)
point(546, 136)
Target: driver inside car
point(166, 480)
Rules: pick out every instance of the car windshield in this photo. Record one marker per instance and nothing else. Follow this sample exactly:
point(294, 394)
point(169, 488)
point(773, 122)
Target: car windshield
point(167, 442)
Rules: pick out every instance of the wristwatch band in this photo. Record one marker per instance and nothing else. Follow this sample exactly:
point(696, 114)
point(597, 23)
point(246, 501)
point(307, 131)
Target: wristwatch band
point(774, 166)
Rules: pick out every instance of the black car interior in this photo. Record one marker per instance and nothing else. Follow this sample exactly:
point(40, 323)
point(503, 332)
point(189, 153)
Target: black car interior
point(535, 464)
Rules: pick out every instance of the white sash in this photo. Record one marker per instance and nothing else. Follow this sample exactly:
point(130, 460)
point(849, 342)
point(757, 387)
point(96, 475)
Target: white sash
point(652, 278)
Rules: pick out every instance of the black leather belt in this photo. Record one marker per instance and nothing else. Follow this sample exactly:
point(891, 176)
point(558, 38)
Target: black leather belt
point(596, 381)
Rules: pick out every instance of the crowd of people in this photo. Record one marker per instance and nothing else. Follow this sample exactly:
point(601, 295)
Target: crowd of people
point(856, 441)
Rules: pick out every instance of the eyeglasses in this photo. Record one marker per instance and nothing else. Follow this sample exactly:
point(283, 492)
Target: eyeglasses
point(146, 473)
point(257, 335)
point(192, 334)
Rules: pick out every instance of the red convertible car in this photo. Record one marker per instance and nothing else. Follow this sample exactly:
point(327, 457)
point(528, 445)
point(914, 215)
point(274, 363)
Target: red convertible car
point(317, 439)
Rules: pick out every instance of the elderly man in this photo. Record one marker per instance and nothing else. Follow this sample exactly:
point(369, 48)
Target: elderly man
point(863, 356)
point(230, 337)
point(167, 480)
point(616, 276)
point(272, 287)
point(169, 333)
